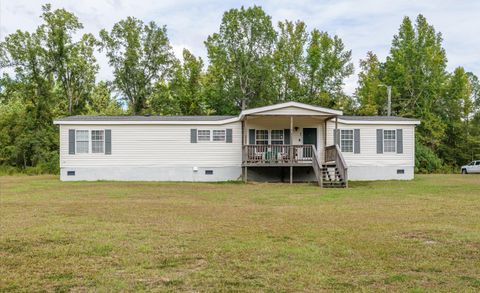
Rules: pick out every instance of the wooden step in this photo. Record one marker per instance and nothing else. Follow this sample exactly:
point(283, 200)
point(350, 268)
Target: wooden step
point(333, 186)
point(333, 179)
point(333, 183)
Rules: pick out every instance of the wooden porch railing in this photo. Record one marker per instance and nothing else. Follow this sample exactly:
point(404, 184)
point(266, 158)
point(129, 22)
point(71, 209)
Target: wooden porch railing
point(277, 154)
point(334, 154)
point(317, 167)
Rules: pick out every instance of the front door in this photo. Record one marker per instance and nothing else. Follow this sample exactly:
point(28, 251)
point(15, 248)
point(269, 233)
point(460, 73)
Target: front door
point(309, 137)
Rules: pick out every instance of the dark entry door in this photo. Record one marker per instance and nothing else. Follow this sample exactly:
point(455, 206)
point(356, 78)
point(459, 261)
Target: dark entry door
point(309, 137)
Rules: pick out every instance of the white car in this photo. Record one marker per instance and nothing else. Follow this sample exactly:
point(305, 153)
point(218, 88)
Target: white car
point(473, 167)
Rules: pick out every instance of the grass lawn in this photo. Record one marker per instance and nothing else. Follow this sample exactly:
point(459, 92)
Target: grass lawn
point(419, 236)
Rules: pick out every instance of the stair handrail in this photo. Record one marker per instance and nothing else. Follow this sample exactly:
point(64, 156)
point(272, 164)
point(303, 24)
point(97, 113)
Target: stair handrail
point(317, 167)
point(341, 164)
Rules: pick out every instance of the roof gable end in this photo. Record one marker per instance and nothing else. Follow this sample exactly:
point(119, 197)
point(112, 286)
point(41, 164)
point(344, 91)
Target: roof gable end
point(291, 108)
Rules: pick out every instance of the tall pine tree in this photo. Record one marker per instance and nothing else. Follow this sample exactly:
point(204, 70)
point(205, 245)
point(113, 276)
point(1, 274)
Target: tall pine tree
point(416, 70)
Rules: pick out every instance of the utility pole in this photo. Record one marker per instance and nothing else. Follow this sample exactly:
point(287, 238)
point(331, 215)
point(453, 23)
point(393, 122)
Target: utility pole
point(389, 101)
point(389, 98)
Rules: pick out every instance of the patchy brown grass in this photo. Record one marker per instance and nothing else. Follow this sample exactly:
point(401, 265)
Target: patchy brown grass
point(417, 236)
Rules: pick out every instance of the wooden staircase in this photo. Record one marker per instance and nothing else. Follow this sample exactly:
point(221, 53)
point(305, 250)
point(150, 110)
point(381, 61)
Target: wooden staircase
point(331, 177)
point(333, 173)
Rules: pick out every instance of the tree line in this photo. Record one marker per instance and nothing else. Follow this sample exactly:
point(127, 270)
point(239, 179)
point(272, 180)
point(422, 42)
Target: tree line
point(52, 72)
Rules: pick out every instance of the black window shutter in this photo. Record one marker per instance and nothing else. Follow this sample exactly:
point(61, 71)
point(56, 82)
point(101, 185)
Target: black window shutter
point(336, 136)
point(108, 141)
point(379, 141)
point(229, 137)
point(286, 136)
point(193, 135)
point(399, 141)
point(71, 141)
point(356, 141)
point(251, 136)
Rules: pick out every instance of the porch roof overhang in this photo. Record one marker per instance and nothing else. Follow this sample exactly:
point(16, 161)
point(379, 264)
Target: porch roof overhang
point(291, 109)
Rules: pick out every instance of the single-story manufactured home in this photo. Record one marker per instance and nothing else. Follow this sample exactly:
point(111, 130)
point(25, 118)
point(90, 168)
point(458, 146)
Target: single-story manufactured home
point(289, 142)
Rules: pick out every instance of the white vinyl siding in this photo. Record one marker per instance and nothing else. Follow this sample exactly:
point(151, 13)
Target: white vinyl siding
point(389, 141)
point(81, 141)
point(156, 146)
point(98, 141)
point(368, 142)
point(346, 140)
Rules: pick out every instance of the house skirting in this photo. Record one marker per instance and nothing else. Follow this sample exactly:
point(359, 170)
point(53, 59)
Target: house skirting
point(380, 173)
point(226, 173)
point(138, 173)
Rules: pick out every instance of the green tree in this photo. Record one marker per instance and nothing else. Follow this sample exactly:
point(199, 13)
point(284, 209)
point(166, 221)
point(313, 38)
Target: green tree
point(141, 57)
point(456, 108)
point(475, 85)
point(240, 57)
point(33, 81)
point(473, 139)
point(327, 65)
point(32, 102)
point(72, 63)
point(415, 69)
point(103, 102)
point(187, 85)
point(289, 60)
point(370, 94)
point(161, 101)
point(52, 76)
point(184, 93)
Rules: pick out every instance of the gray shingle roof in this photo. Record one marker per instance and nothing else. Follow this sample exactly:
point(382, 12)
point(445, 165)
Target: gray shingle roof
point(376, 118)
point(143, 118)
point(208, 118)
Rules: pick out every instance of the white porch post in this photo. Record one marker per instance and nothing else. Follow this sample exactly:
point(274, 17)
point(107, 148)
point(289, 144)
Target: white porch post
point(291, 130)
point(291, 149)
point(244, 153)
point(245, 131)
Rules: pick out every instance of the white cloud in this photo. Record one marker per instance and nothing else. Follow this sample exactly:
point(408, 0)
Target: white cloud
point(367, 25)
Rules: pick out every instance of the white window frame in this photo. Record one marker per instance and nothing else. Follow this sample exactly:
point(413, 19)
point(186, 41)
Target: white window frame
point(102, 131)
point(276, 140)
point(347, 139)
point(77, 140)
point(394, 140)
point(201, 137)
point(264, 131)
point(223, 135)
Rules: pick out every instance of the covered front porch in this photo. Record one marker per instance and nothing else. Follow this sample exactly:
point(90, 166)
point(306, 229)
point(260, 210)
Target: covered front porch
point(293, 137)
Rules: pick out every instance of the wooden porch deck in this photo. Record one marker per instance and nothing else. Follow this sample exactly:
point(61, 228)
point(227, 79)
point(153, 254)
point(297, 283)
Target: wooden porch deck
point(329, 172)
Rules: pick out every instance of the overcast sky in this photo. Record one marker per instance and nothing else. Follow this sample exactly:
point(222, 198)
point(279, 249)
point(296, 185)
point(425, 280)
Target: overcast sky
point(363, 25)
